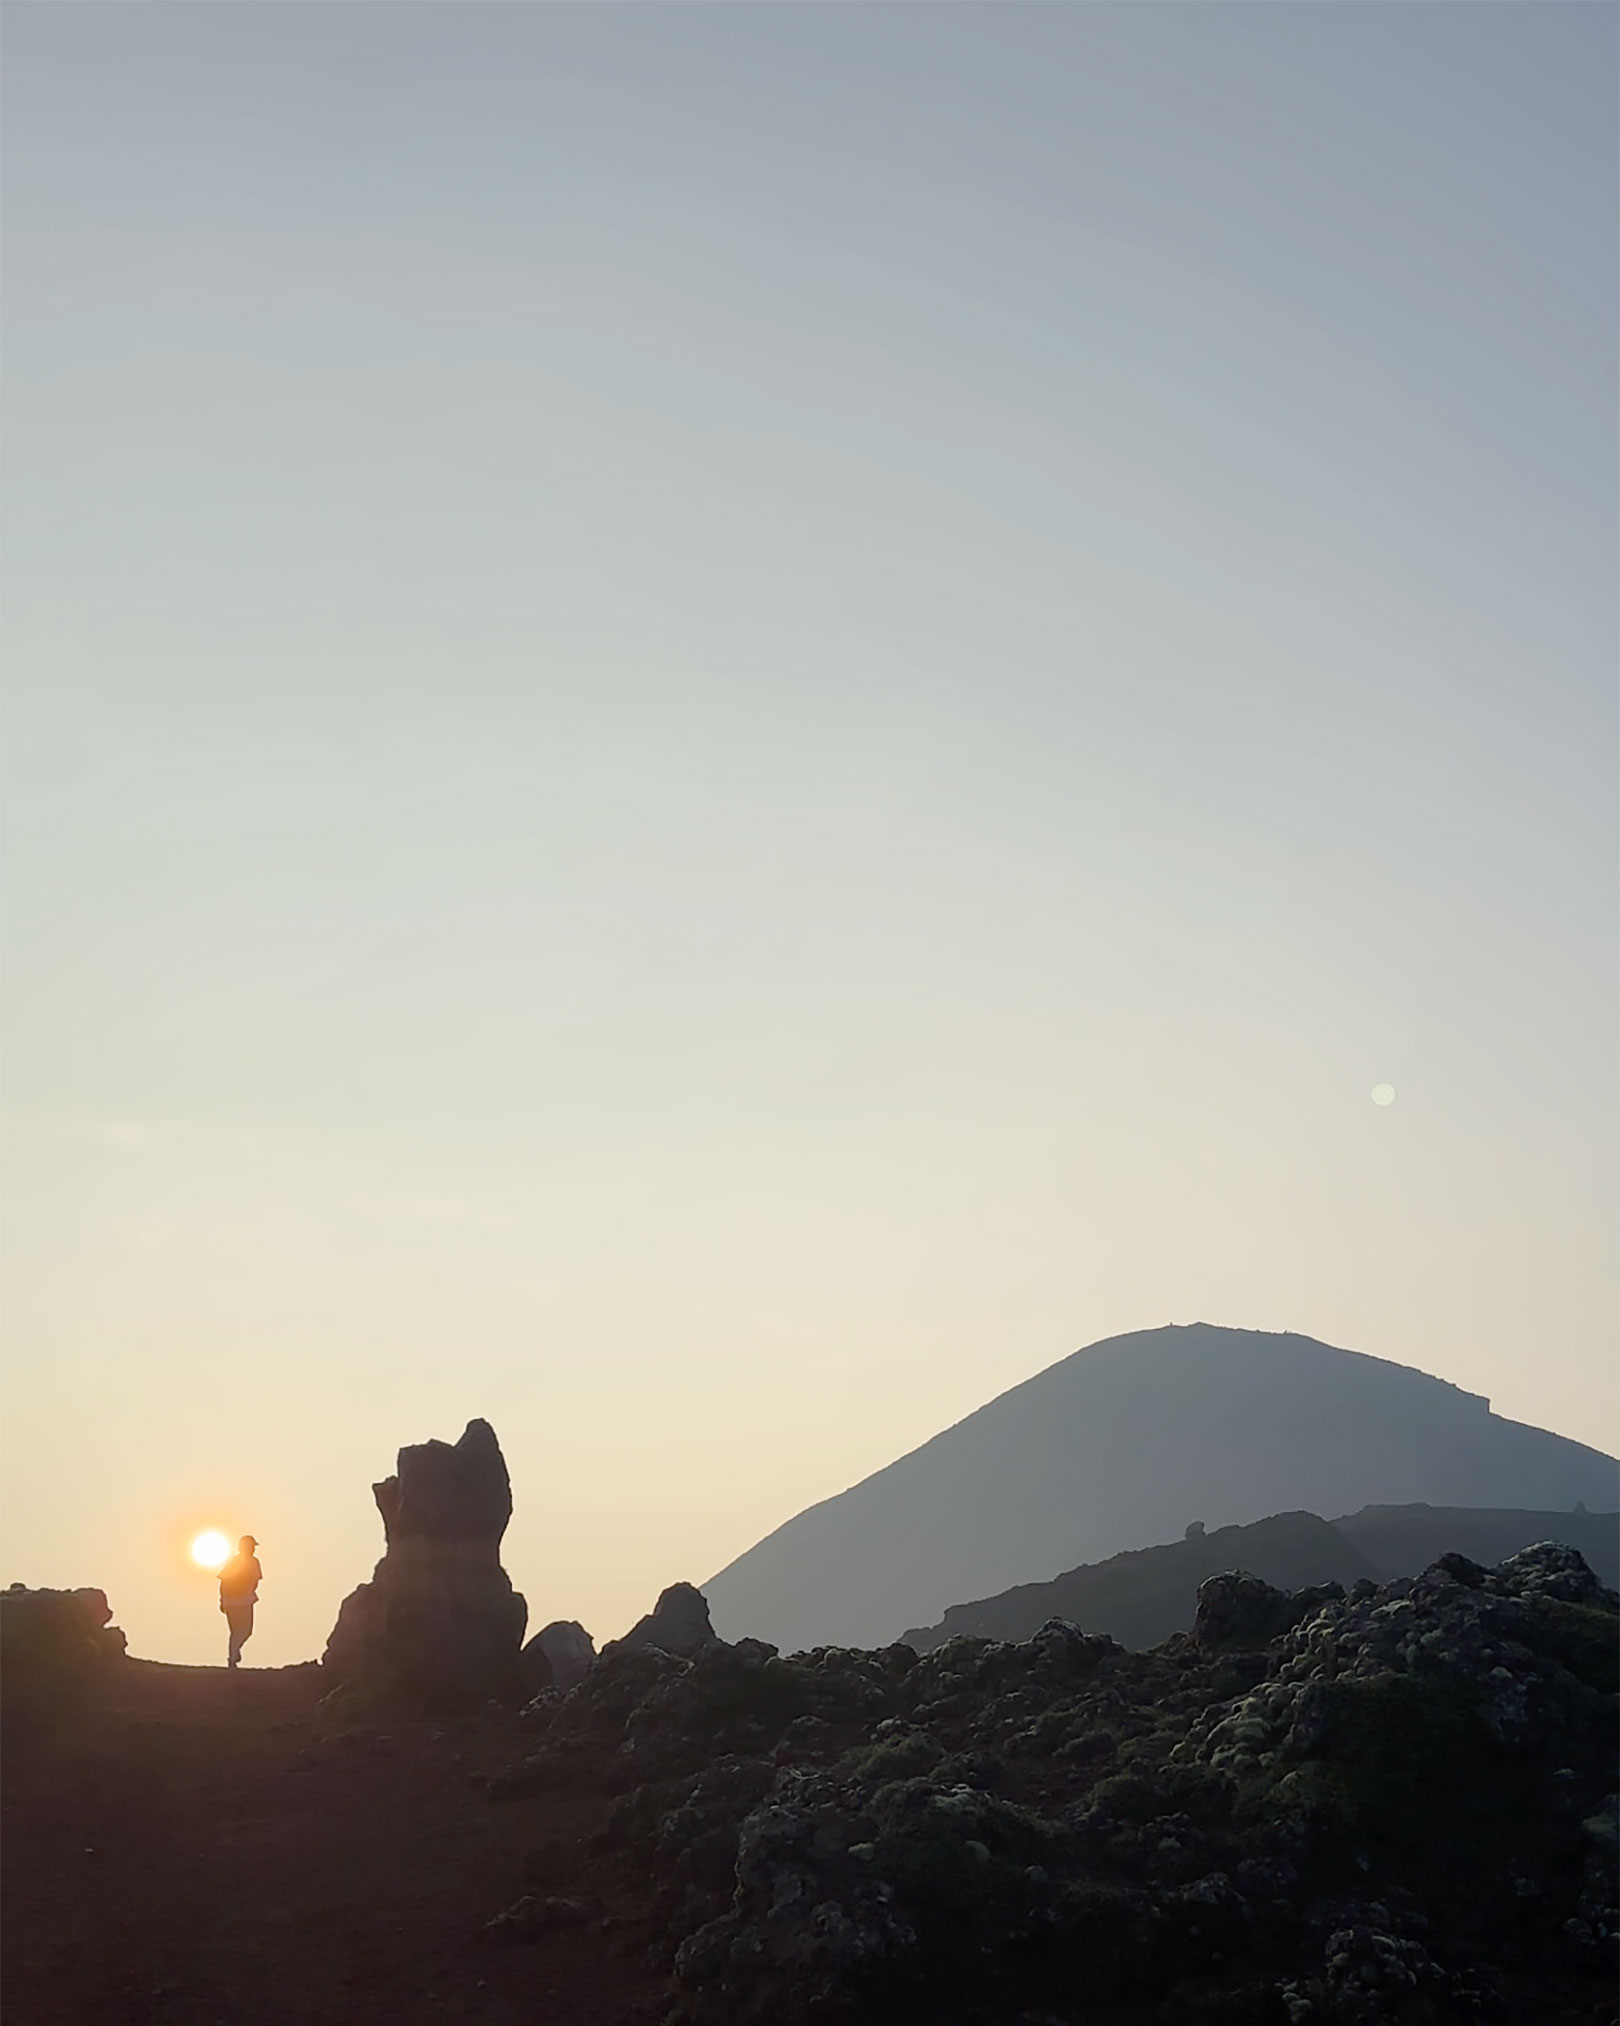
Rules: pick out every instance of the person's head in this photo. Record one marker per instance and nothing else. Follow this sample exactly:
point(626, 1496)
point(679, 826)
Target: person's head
point(246, 1545)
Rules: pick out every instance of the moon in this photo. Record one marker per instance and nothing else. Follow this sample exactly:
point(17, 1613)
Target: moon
point(1383, 1093)
point(209, 1550)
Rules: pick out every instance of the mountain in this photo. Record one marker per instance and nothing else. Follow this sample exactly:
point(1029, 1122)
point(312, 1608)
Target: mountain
point(1142, 1597)
point(1128, 1441)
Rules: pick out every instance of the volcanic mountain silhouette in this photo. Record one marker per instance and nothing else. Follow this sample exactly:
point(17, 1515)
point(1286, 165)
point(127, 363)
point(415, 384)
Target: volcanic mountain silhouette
point(1126, 1443)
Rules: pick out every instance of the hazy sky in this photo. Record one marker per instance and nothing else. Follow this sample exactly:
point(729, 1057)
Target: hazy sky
point(726, 721)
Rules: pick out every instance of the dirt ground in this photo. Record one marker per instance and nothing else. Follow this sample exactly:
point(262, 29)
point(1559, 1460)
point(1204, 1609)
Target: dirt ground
point(187, 1847)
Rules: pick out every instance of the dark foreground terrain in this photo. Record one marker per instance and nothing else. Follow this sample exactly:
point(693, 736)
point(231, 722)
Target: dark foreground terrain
point(187, 1847)
point(1396, 1805)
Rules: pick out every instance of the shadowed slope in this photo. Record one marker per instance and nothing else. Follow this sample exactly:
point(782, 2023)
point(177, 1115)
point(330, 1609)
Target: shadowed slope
point(1125, 1442)
point(1142, 1597)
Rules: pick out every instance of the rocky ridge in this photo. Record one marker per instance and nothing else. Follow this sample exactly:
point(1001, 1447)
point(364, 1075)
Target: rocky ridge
point(1392, 1804)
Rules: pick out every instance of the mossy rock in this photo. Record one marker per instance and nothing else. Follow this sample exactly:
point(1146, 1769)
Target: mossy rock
point(1411, 1783)
point(1206, 1795)
point(1404, 1746)
point(961, 1848)
point(1128, 1797)
point(900, 1758)
point(772, 1694)
point(1579, 1637)
point(1109, 1934)
point(1093, 1746)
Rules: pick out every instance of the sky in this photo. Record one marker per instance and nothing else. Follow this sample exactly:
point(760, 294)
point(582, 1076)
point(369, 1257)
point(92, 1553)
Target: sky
point(724, 722)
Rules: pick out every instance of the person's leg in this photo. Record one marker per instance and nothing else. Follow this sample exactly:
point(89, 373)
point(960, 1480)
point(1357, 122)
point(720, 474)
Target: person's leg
point(234, 1619)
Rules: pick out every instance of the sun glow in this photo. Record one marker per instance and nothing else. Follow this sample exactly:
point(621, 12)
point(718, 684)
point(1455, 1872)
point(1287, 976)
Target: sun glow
point(210, 1550)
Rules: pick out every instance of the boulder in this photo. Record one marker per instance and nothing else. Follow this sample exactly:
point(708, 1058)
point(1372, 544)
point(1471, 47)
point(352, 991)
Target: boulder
point(567, 1651)
point(535, 1673)
point(439, 1623)
point(677, 1623)
point(56, 1633)
point(1550, 1569)
point(1240, 1611)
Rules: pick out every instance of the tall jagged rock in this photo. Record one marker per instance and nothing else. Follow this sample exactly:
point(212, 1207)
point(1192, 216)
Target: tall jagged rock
point(439, 1621)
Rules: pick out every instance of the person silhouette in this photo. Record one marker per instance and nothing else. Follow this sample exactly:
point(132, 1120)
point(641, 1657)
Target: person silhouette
point(238, 1593)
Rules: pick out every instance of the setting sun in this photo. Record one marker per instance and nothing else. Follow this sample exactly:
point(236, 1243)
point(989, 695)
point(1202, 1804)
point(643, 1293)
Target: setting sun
point(209, 1550)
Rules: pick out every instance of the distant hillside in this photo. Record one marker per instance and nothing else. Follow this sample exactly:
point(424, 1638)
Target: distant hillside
point(1403, 1539)
point(1125, 1442)
point(1142, 1597)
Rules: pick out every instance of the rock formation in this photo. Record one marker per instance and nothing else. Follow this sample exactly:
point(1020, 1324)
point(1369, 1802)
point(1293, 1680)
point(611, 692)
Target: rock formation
point(56, 1632)
point(677, 1623)
point(535, 1672)
point(567, 1651)
point(439, 1621)
point(1397, 1811)
point(1244, 1613)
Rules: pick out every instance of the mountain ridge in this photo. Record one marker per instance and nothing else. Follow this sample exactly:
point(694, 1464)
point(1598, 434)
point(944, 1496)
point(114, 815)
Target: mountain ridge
point(1145, 1595)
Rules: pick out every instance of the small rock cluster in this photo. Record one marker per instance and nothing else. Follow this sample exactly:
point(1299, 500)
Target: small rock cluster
point(1317, 1809)
point(56, 1633)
